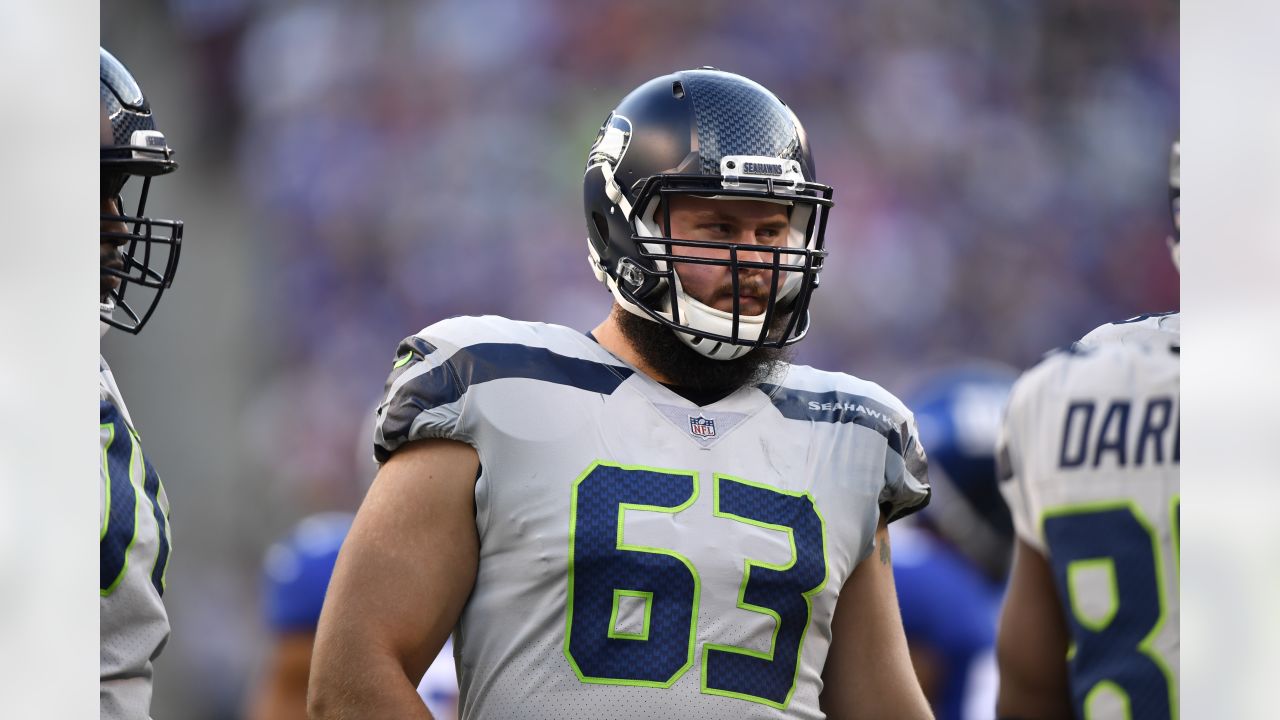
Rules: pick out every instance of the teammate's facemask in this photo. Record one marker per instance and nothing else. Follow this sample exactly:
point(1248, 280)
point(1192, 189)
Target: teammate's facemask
point(717, 135)
point(144, 264)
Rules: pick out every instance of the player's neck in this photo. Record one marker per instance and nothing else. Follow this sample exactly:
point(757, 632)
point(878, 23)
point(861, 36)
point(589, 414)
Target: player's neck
point(611, 338)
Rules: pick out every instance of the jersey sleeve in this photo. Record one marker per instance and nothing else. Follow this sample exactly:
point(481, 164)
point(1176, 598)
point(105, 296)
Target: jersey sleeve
point(1012, 460)
point(424, 395)
point(906, 472)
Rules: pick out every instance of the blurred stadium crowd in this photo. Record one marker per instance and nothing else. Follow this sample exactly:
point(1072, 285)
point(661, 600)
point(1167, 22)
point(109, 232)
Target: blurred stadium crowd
point(355, 171)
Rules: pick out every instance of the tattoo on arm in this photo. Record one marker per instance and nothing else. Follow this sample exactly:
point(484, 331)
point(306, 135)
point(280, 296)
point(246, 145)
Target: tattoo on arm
point(883, 540)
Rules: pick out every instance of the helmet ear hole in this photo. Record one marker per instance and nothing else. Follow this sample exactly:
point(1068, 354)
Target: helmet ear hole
point(677, 90)
point(602, 226)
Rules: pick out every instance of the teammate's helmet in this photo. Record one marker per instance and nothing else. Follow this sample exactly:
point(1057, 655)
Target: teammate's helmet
point(1175, 193)
point(958, 412)
point(148, 248)
point(713, 134)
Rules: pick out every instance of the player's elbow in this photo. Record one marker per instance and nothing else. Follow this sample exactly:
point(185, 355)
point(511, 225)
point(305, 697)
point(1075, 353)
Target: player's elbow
point(1026, 702)
point(1031, 690)
point(321, 705)
point(324, 696)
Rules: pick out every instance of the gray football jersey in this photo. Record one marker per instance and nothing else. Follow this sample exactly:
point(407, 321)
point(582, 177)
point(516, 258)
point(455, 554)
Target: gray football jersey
point(1142, 329)
point(1089, 456)
point(133, 556)
point(641, 556)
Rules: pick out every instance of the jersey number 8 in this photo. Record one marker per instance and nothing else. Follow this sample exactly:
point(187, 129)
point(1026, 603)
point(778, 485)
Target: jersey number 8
point(1113, 651)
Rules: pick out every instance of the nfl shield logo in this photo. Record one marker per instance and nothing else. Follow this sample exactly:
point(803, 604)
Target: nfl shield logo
point(702, 426)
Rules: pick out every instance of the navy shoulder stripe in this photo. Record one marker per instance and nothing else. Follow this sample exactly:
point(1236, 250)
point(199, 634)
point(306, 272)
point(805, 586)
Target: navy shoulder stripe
point(481, 363)
point(478, 364)
point(834, 406)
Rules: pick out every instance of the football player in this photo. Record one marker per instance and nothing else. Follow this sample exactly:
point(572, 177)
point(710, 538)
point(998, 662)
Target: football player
point(950, 564)
point(139, 255)
point(660, 518)
point(1089, 465)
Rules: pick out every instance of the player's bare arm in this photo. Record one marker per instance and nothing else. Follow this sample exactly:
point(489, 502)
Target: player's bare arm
point(868, 672)
point(402, 578)
point(1032, 642)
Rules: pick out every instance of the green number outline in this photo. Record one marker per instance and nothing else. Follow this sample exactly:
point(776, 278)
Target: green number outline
point(1146, 643)
point(622, 512)
point(1098, 687)
point(746, 578)
point(106, 474)
point(106, 516)
point(614, 633)
point(1175, 522)
point(1075, 566)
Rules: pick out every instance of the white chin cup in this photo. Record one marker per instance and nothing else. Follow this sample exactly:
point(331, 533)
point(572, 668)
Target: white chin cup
point(700, 316)
point(1174, 247)
point(695, 315)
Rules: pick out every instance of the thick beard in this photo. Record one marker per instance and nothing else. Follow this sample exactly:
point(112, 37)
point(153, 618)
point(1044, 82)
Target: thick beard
point(683, 366)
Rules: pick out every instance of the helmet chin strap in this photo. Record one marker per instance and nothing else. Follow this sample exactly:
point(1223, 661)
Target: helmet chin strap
point(107, 308)
point(689, 309)
point(613, 191)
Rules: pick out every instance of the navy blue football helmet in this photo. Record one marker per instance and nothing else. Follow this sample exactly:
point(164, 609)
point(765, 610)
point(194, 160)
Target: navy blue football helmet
point(717, 135)
point(139, 253)
point(958, 413)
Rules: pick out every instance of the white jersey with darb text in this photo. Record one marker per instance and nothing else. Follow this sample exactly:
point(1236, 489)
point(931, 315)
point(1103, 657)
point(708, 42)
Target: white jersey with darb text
point(641, 556)
point(133, 556)
point(1089, 461)
point(1140, 330)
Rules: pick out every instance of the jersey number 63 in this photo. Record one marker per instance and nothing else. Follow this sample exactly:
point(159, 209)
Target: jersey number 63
point(603, 570)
